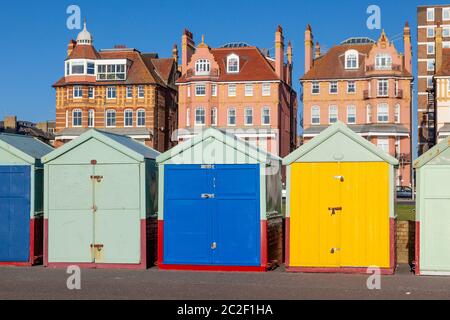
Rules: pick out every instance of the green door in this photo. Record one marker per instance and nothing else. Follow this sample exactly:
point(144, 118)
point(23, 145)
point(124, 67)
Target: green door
point(435, 219)
point(117, 216)
point(70, 221)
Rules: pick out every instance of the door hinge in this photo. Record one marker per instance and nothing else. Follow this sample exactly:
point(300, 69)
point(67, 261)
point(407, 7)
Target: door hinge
point(97, 178)
point(207, 166)
point(98, 247)
point(208, 196)
point(333, 210)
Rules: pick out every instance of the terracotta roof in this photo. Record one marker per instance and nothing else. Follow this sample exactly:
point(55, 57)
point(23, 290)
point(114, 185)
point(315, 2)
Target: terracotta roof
point(332, 64)
point(445, 68)
point(144, 68)
point(254, 66)
point(84, 52)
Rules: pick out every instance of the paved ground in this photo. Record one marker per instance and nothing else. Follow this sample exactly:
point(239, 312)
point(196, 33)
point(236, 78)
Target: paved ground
point(41, 283)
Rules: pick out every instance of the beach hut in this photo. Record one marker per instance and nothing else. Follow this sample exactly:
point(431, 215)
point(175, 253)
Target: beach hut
point(340, 205)
point(21, 199)
point(100, 199)
point(220, 205)
point(433, 211)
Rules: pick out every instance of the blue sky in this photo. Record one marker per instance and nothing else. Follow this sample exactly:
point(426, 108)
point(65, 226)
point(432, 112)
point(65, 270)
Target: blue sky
point(34, 35)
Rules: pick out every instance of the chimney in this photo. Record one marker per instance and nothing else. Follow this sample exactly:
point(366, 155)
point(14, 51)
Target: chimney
point(317, 51)
point(438, 48)
point(70, 47)
point(187, 50)
point(290, 56)
point(175, 53)
point(279, 53)
point(407, 47)
point(10, 124)
point(308, 48)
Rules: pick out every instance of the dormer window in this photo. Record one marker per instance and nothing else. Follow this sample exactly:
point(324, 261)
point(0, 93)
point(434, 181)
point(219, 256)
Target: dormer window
point(351, 59)
point(383, 62)
point(233, 64)
point(202, 67)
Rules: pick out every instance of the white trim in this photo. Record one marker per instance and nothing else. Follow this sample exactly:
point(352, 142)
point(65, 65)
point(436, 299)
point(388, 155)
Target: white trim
point(200, 85)
point(358, 79)
point(124, 118)
point(330, 85)
point(245, 116)
point(228, 116)
point(227, 82)
point(435, 273)
point(230, 57)
point(368, 134)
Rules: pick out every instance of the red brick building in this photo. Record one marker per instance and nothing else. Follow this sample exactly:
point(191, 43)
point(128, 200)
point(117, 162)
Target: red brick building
point(120, 90)
point(239, 87)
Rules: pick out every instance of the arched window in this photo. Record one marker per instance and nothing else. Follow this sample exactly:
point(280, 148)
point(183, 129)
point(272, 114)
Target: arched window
point(91, 118)
point(77, 118)
point(128, 118)
point(141, 118)
point(200, 116)
point(232, 63)
point(110, 118)
point(351, 59)
point(315, 115)
point(202, 67)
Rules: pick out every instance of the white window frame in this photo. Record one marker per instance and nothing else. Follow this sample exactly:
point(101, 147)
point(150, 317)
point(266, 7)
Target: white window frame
point(202, 67)
point(330, 113)
point(351, 111)
point(80, 118)
point(430, 83)
point(141, 92)
point(139, 118)
point(397, 113)
point(214, 90)
point(383, 115)
point(188, 117)
point(446, 10)
point(246, 116)
point(232, 92)
point(249, 90)
point(430, 45)
point(125, 118)
point(188, 90)
point(78, 92)
point(91, 92)
point(203, 115)
point(369, 114)
point(354, 87)
point(353, 57)
point(129, 92)
point(432, 34)
point(265, 110)
point(382, 91)
point(229, 59)
point(200, 90)
point(107, 113)
point(213, 116)
point(430, 64)
point(266, 89)
point(446, 32)
point(91, 118)
point(315, 85)
point(383, 61)
point(109, 91)
point(383, 144)
point(429, 12)
point(331, 85)
point(229, 115)
point(315, 115)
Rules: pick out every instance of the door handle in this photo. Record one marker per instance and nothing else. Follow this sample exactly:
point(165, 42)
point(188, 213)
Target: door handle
point(333, 210)
point(335, 250)
point(208, 196)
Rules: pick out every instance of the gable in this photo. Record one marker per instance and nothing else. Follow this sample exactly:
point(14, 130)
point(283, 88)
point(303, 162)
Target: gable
point(93, 149)
point(7, 157)
point(340, 148)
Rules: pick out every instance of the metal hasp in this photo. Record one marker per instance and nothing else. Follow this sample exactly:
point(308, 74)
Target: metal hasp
point(214, 246)
point(340, 178)
point(97, 178)
point(335, 250)
point(208, 196)
point(333, 210)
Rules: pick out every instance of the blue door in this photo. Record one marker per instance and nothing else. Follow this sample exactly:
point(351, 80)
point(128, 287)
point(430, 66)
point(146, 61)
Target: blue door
point(14, 213)
point(212, 215)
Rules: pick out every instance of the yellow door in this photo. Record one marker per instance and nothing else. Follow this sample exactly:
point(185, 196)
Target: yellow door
point(339, 215)
point(315, 217)
point(365, 215)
